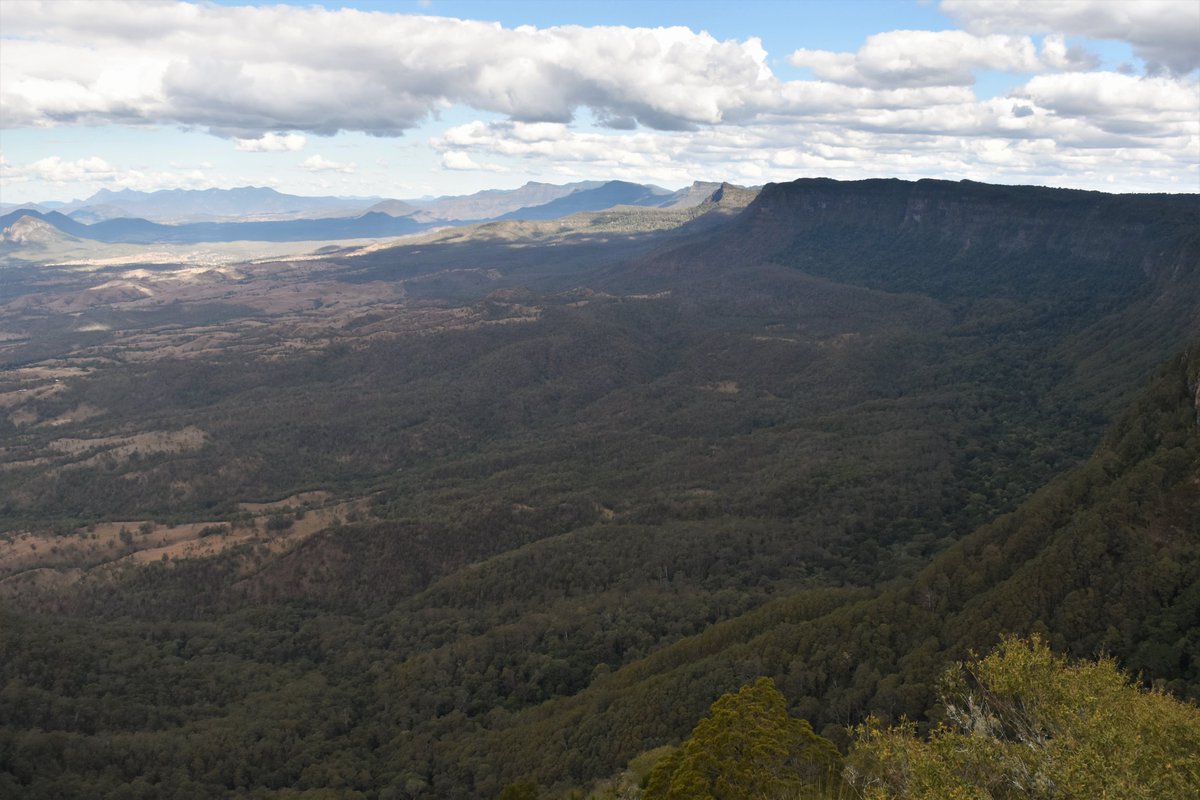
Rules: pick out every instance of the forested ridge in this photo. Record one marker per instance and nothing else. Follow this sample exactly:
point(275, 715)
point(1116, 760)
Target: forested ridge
point(1022, 722)
point(842, 461)
point(1105, 559)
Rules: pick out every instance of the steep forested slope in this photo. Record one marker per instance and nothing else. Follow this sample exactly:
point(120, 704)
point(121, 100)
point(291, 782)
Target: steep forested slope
point(1117, 271)
point(593, 494)
point(1105, 559)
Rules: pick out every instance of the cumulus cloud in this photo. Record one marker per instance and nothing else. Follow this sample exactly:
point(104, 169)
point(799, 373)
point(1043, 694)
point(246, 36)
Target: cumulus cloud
point(1007, 140)
point(318, 164)
point(94, 172)
point(457, 159)
point(246, 71)
point(1124, 104)
point(1161, 32)
point(899, 59)
point(666, 104)
point(921, 58)
point(57, 170)
point(573, 153)
point(272, 143)
point(1057, 55)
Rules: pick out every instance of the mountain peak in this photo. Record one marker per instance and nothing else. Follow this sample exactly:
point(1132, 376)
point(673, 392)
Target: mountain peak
point(109, 196)
point(32, 229)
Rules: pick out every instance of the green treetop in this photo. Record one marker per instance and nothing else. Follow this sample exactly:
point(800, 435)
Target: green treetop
point(1026, 724)
point(748, 748)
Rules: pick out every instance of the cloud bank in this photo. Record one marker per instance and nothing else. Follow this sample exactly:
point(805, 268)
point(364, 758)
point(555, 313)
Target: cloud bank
point(272, 143)
point(666, 103)
point(246, 71)
point(1162, 32)
point(320, 164)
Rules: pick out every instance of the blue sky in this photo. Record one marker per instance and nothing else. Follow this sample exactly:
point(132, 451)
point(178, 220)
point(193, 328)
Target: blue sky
point(400, 103)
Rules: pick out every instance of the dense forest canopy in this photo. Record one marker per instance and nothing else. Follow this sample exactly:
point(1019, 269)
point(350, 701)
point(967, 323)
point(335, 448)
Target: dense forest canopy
point(1021, 723)
point(512, 506)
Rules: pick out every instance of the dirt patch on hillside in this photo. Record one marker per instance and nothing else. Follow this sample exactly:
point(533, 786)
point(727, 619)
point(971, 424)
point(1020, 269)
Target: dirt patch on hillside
point(278, 541)
point(41, 578)
point(48, 560)
point(122, 448)
point(20, 401)
point(82, 412)
point(22, 417)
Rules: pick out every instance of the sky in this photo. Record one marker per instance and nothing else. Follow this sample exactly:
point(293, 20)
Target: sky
point(434, 97)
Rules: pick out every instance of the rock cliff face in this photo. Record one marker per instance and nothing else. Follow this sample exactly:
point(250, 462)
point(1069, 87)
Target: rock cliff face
point(1117, 275)
point(957, 240)
point(1120, 274)
point(854, 230)
point(1156, 233)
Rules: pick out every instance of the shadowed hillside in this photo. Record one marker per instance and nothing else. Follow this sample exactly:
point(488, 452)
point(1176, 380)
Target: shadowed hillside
point(1121, 272)
point(1105, 559)
point(519, 501)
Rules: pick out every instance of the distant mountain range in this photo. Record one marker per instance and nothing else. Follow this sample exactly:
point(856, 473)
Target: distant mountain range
point(183, 216)
point(613, 193)
point(493, 203)
point(246, 204)
point(142, 231)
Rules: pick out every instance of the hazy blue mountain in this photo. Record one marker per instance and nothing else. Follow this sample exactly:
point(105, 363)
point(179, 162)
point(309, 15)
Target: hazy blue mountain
point(141, 231)
point(494, 203)
point(260, 214)
point(92, 214)
point(216, 205)
point(183, 207)
point(43, 208)
point(30, 231)
point(393, 208)
point(692, 196)
point(55, 218)
point(613, 193)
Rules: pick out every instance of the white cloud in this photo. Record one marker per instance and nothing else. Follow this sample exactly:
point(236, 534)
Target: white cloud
point(149, 181)
point(93, 172)
point(921, 58)
point(246, 71)
point(985, 141)
point(272, 143)
point(677, 105)
point(560, 144)
point(1122, 104)
point(898, 59)
point(457, 159)
point(1162, 32)
point(57, 170)
point(317, 163)
point(1057, 55)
